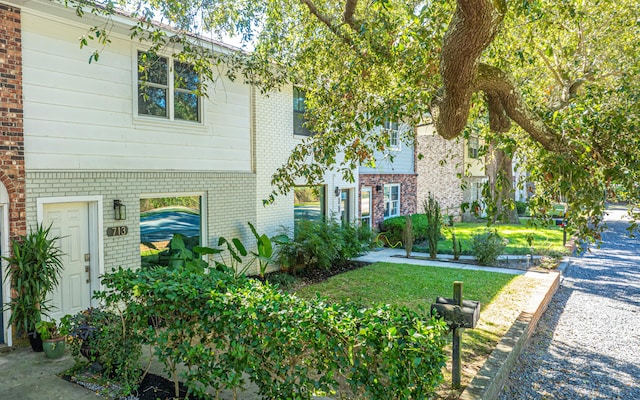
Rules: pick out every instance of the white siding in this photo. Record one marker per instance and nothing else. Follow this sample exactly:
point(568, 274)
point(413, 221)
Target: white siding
point(80, 116)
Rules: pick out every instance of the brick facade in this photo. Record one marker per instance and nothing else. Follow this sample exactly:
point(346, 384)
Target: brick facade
point(230, 202)
point(408, 194)
point(12, 171)
point(439, 171)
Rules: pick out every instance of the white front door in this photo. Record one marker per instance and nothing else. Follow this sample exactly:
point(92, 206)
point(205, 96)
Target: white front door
point(70, 222)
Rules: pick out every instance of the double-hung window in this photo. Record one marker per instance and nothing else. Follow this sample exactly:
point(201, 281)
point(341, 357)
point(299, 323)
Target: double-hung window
point(391, 128)
point(391, 200)
point(167, 89)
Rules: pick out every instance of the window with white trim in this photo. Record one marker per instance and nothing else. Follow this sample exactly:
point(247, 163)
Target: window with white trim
point(392, 129)
point(391, 200)
point(167, 89)
point(299, 110)
point(474, 147)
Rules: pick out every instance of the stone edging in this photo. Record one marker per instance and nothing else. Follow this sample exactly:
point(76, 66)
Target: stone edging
point(488, 382)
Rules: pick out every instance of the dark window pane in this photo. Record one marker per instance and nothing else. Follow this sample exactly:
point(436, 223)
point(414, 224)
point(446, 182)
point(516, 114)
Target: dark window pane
point(298, 124)
point(186, 106)
point(152, 101)
point(298, 100)
point(185, 77)
point(152, 69)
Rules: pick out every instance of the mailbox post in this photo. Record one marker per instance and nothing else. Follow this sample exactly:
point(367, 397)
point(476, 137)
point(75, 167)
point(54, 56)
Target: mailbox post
point(458, 314)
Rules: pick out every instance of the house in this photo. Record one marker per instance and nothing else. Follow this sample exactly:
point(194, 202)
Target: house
point(84, 149)
point(389, 188)
point(451, 170)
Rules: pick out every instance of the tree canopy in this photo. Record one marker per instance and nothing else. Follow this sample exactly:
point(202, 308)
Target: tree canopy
point(553, 82)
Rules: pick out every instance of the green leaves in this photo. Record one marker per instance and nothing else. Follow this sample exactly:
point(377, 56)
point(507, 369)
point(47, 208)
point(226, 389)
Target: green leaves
point(226, 330)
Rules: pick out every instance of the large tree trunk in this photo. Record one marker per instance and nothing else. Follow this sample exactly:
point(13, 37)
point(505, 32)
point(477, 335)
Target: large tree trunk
point(500, 174)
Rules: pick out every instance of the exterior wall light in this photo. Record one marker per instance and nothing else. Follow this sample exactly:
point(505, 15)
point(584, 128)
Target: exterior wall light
point(119, 210)
point(337, 191)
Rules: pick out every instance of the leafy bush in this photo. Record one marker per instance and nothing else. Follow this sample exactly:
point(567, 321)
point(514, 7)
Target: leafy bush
point(521, 207)
point(320, 244)
point(487, 247)
point(407, 235)
point(225, 329)
point(108, 338)
point(393, 228)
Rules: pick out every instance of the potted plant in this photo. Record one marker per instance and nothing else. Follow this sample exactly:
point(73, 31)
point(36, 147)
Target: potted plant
point(53, 338)
point(34, 269)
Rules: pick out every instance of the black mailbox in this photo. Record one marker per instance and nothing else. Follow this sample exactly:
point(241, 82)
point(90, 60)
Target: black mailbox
point(455, 316)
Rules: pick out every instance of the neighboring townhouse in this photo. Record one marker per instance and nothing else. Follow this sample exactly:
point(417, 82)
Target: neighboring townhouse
point(85, 151)
point(389, 188)
point(451, 170)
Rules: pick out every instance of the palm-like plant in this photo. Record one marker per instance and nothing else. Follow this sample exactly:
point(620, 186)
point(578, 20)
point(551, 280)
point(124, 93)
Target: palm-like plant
point(35, 267)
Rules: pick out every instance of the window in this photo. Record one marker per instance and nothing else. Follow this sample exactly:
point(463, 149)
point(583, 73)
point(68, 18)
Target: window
point(394, 134)
point(299, 110)
point(365, 206)
point(391, 200)
point(161, 219)
point(345, 206)
point(167, 92)
point(308, 203)
point(473, 147)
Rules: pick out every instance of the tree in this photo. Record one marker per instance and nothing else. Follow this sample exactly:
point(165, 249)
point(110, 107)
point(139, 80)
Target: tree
point(563, 72)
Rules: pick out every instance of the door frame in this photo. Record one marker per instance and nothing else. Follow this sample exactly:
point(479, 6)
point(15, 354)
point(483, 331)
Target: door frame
point(5, 289)
point(96, 223)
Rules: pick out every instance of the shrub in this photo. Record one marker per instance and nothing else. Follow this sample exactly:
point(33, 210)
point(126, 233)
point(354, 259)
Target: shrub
point(108, 338)
point(393, 228)
point(434, 224)
point(521, 207)
point(456, 246)
point(321, 245)
point(487, 247)
point(226, 329)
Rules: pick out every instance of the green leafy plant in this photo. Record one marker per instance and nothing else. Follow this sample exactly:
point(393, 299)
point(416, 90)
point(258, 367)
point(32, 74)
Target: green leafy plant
point(488, 246)
point(108, 338)
point(226, 330)
point(392, 229)
point(456, 246)
point(265, 250)
point(34, 268)
point(50, 329)
point(434, 224)
point(407, 235)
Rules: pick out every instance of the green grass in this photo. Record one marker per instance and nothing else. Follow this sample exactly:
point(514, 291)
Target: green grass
point(544, 241)
point(412, 286)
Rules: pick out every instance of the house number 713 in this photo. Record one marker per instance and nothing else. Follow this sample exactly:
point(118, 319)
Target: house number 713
point(117, 231)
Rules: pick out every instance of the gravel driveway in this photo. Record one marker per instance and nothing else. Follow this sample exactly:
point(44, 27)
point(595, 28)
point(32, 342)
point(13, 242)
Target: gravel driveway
point(587, 345)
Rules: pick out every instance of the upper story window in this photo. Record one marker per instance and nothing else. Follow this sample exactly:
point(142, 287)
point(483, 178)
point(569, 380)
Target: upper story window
point(167, 88)
point(474, 146)
point(394, 134)
point(391, 200)
point(299, 108)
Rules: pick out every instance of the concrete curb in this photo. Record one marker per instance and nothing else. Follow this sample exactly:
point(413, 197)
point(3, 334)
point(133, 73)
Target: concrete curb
point(488, 382)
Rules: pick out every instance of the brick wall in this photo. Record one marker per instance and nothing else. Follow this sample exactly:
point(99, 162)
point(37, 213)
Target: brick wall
point(408, 191)
point(439, 171)
point(230, 202)
point(12, 173)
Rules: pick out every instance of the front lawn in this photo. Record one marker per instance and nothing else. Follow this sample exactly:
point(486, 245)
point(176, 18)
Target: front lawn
point(502, 297)
point(544, 241)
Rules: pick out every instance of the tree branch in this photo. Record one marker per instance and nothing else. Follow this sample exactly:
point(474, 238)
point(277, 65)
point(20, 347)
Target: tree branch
point(329, 23)
point(349, 11)
point(471, 30)
point(498, 83)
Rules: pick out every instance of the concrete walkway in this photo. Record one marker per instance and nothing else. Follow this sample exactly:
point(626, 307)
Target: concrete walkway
point(25, 375)
point(398, 256)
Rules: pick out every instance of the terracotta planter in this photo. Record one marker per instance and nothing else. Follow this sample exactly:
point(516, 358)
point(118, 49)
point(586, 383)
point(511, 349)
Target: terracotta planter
point(54, 348)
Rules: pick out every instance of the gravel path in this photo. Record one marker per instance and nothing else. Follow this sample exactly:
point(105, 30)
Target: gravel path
point(587, 345)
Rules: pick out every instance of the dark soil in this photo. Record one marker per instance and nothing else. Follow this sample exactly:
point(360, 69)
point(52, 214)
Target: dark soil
point(316, 275)
point(152, 387)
